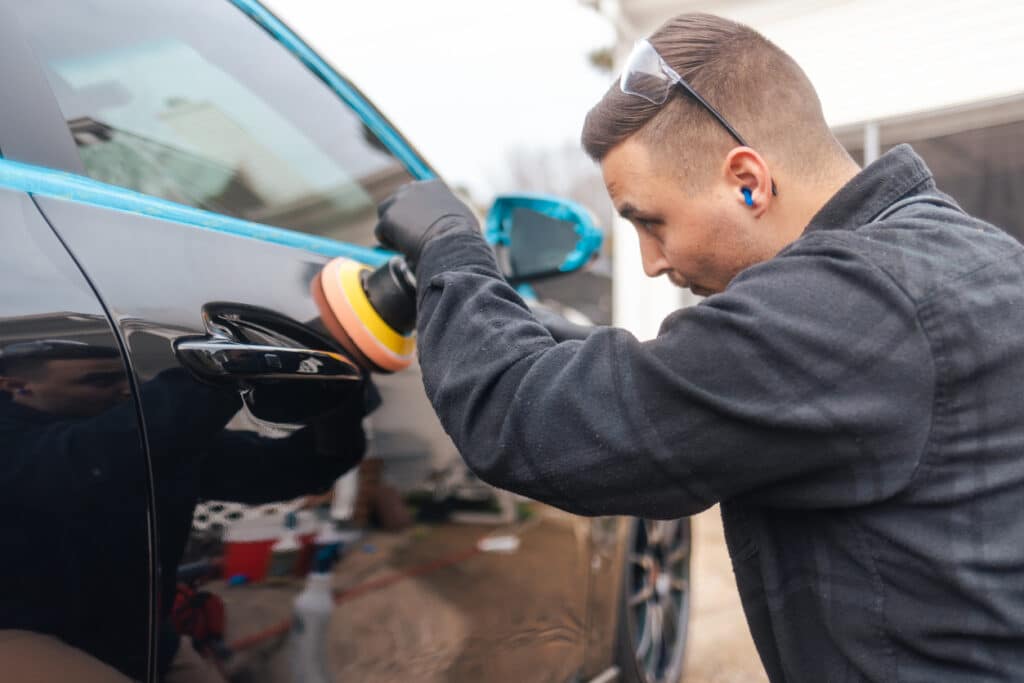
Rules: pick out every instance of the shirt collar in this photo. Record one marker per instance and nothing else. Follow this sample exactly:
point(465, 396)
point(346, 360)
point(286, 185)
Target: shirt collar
point(894, 175)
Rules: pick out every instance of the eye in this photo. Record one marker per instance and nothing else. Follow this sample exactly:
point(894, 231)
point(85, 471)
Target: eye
point(649, 225)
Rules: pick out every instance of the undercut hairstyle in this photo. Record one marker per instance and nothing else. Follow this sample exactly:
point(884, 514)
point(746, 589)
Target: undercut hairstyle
point(754, 85)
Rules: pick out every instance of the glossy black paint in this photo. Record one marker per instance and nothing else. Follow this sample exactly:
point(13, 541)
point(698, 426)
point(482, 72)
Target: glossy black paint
point(73, 476)
point(423, 603)
point(157, 285)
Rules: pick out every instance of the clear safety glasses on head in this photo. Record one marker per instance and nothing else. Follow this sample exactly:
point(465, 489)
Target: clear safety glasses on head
point(649, 76)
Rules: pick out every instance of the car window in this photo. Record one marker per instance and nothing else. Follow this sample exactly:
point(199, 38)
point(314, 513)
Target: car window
point(204, 108)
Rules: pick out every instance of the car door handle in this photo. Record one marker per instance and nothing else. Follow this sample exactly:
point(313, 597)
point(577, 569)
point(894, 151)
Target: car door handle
point(220, 360)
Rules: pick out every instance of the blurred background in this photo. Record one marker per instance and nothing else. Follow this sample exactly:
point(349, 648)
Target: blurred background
point(494, 93)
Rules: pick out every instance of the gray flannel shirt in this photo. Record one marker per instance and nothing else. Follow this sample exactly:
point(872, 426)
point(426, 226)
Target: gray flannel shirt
point(854, 404)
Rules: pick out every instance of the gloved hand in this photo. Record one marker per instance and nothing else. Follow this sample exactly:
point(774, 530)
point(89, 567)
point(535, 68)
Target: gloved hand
point(419, 212)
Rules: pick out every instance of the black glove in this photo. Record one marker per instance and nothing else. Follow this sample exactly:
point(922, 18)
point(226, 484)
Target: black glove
point(419, 212)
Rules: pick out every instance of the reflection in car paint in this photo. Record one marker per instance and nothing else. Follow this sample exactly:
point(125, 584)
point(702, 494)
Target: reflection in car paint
point(419, 600)
point(74, 583)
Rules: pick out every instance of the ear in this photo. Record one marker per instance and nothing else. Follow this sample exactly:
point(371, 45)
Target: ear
point(745, 169)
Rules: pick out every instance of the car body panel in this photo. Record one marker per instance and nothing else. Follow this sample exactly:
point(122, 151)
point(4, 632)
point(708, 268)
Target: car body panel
point(424, 603)
point(72, 460)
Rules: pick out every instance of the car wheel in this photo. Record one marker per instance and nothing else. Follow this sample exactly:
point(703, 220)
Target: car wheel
point(654, 606)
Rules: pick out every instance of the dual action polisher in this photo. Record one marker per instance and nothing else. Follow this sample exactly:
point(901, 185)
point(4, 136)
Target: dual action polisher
point(371, 313)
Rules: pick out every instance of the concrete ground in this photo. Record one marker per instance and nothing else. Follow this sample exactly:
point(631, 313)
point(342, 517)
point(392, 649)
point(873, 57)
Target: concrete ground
point(720, 649)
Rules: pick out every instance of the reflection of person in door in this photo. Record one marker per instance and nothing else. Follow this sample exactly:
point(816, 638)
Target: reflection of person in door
point(73, 491)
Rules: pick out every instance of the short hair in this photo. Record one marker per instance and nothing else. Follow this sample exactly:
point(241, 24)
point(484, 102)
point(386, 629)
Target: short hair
point(755, 85)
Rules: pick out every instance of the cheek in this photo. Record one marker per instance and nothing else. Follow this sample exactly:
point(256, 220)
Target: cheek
point(705, 253)
point(688, 247)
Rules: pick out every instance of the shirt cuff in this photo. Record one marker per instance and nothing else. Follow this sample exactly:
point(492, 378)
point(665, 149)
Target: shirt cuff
point(458, 250)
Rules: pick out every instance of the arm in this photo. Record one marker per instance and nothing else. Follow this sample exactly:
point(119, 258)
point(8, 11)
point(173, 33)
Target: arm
point(807, 383)
point(247, 468)
point(69, 457)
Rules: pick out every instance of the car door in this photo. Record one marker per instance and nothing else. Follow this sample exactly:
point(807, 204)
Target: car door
point(188, 129)
point(74, 482)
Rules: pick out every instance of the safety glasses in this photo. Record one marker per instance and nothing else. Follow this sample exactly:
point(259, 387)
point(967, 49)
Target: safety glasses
point(649, 76)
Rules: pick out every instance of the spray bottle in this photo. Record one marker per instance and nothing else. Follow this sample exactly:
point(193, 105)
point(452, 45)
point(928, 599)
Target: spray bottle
point(312, 613)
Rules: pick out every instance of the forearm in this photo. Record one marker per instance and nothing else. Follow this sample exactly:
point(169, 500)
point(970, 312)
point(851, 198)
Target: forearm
point(247, 468)
point(555, 422)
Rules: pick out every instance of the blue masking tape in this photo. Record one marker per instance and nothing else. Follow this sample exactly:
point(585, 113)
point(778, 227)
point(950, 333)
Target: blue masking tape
point(47, 182)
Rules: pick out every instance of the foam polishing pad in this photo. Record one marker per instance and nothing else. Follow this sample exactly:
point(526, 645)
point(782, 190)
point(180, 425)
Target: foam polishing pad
point(352, 320)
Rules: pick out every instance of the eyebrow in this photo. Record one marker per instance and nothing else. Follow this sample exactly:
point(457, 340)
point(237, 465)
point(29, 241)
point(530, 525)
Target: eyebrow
point(627, 210)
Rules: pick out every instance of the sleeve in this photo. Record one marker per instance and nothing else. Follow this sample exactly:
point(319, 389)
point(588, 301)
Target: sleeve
point(807, 383)
point(75, 458)
point(248, 468)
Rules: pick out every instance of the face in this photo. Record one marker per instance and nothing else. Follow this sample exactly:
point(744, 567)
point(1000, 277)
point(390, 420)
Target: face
point(699, 240)
point(72, 387)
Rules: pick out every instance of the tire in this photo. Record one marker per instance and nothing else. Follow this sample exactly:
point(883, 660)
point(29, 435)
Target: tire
point(655, 584)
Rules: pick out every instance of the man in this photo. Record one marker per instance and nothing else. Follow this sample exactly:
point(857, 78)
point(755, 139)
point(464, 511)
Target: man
point(849, 390)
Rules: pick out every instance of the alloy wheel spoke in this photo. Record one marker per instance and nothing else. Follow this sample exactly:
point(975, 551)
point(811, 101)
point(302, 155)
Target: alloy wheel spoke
point(669, 637)
point(680, 584)
point(642, 595)
point(637, 558)
point(645, 636)
point(657, 638)
point(670, 611)
point(653, 528)
point(678, 554)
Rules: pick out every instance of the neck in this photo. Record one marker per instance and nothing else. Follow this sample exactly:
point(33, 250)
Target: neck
point(798, 213)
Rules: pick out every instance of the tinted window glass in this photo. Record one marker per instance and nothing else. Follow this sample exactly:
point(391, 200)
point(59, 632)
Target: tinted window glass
point(202, 107)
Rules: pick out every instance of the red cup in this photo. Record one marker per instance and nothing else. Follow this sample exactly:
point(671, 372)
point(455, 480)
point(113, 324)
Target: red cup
point(250, 558)
point(247, 545)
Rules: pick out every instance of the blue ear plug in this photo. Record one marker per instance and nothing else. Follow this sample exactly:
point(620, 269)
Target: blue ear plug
point(747, 197)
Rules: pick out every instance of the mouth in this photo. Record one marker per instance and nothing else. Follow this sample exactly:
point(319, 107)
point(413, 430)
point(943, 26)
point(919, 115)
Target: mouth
point(678, 280)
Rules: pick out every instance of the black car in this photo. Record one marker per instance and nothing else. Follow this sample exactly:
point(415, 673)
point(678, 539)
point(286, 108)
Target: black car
point(173, 178)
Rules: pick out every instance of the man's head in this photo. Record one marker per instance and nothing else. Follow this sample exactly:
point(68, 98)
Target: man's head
point(702, 204)
point(64, 378)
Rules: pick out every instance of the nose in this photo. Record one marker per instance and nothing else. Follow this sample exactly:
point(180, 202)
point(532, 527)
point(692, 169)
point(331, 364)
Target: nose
point(652, 256)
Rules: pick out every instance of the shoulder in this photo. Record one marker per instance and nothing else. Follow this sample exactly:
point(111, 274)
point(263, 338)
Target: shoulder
point(924, 249)
point(831, 269)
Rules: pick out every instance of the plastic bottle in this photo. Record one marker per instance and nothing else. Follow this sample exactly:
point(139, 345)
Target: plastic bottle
point(312, 612)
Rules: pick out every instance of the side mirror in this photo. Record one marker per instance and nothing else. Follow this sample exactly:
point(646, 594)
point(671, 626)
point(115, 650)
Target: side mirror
point(538, 236)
